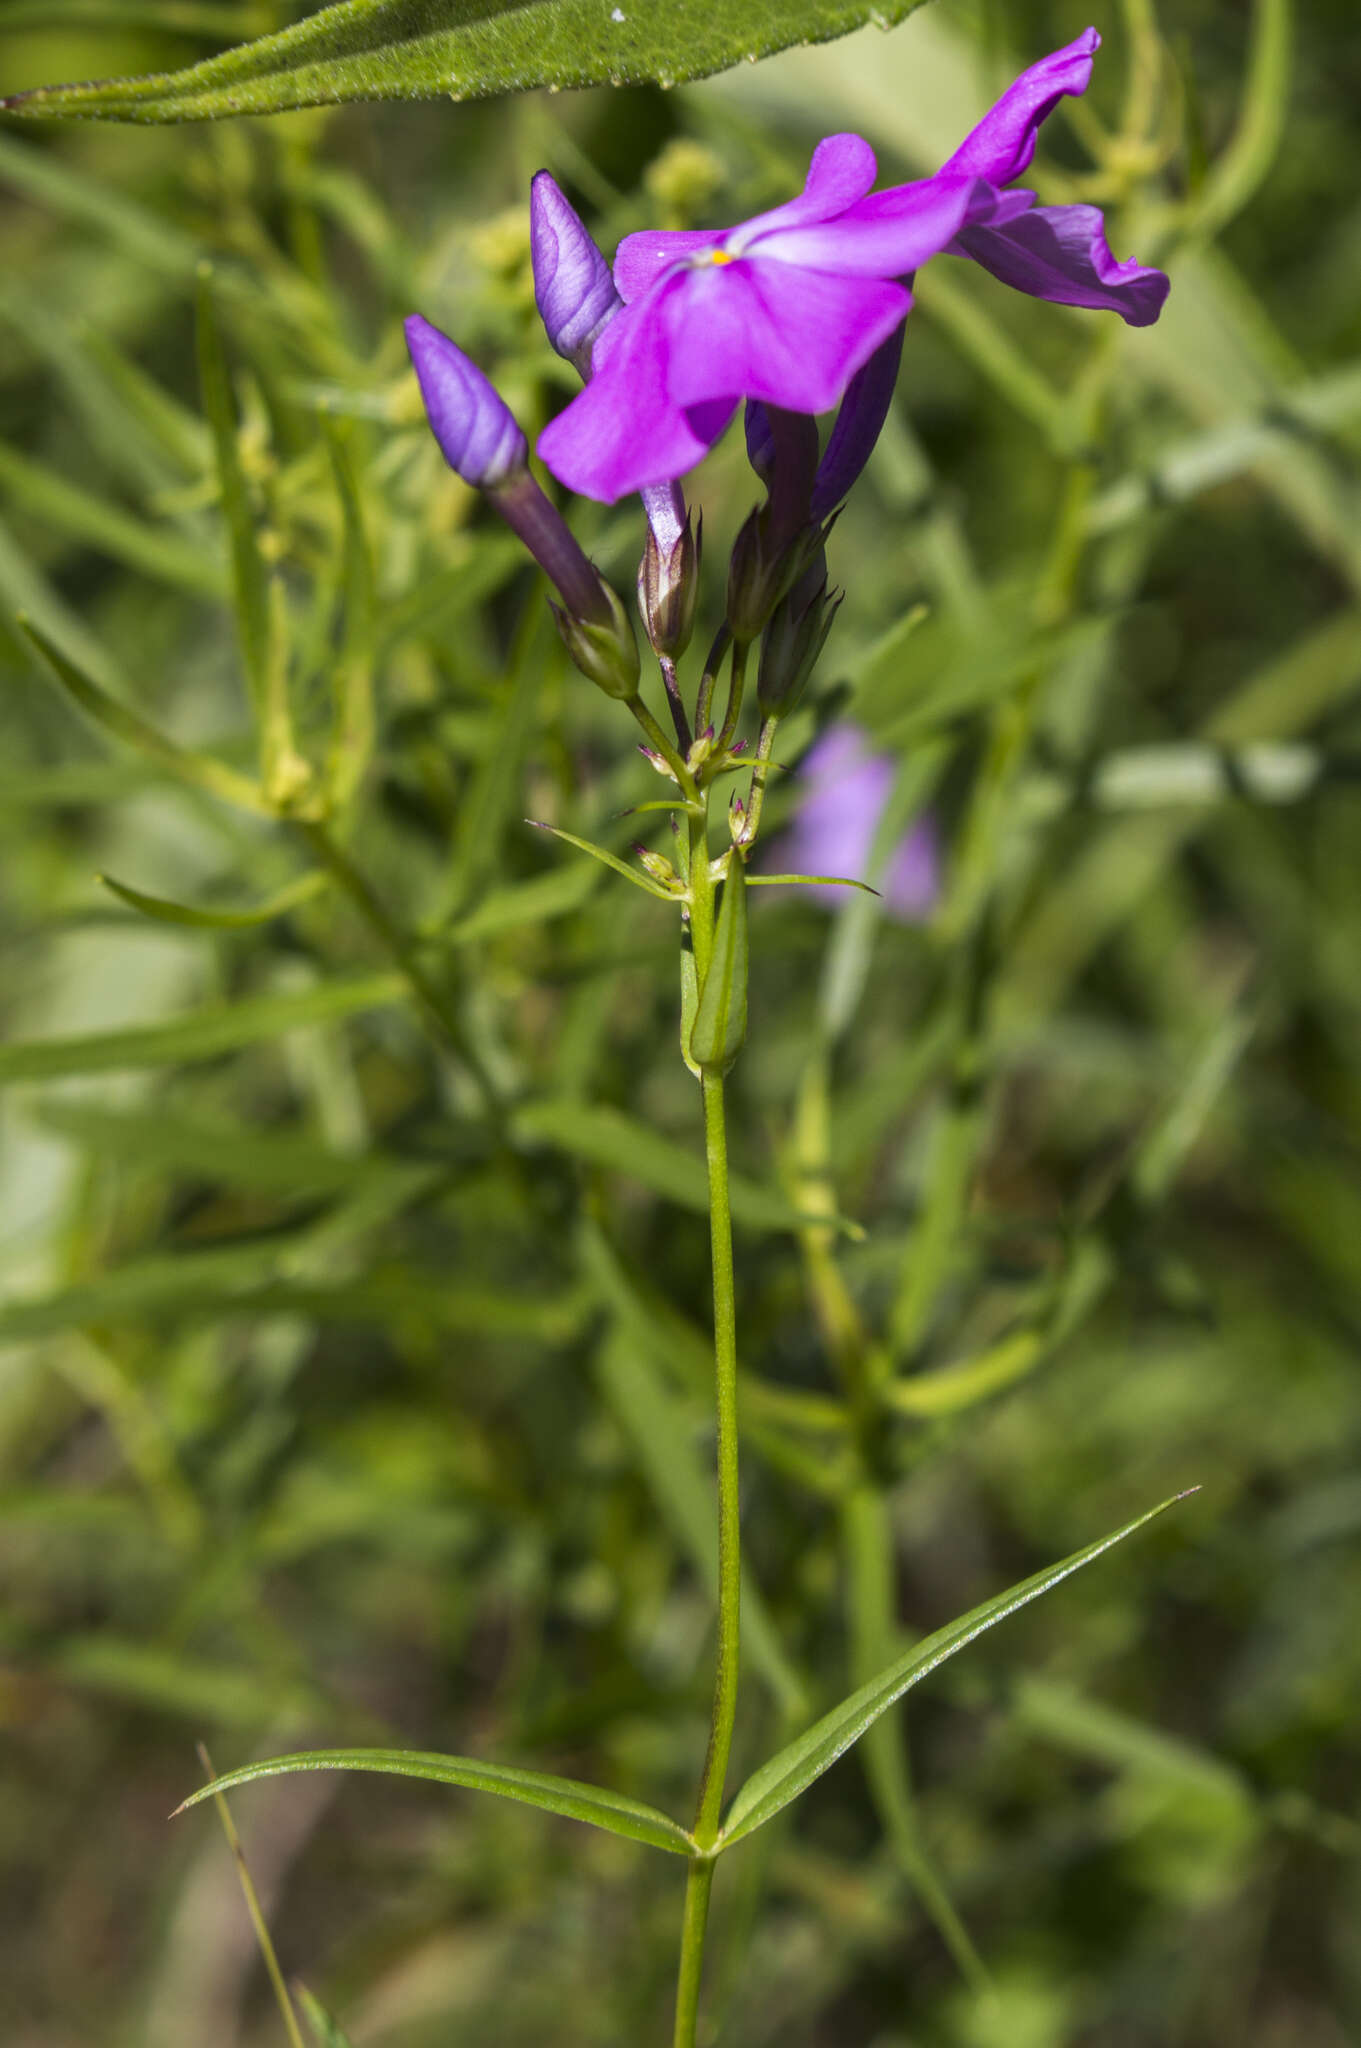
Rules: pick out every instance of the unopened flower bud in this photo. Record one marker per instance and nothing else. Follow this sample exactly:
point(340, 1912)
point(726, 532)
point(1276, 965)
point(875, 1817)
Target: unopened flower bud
point(668, 585)
point(655, 864)
point(476, 430)
point(794, 639)
point(760, 440)
point(859, 423)
point(762, 568)
point(573, 288)
point(605, 649)
point(700, 749)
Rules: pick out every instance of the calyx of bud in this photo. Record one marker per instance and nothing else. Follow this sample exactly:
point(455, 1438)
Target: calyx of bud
point(794, 639)
point(603, 647)
point(668, 586)
point(763, 566)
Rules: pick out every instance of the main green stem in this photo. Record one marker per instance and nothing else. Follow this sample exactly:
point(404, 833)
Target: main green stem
point(697, 1888)
point(709, 1806)
point(729, 1535)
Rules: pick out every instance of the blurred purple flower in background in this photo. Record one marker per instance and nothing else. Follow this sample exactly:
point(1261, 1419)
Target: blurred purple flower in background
point(787, 307)
point(845, 789)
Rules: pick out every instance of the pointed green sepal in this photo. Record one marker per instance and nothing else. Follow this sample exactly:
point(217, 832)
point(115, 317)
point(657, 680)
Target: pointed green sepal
point(720, 1026)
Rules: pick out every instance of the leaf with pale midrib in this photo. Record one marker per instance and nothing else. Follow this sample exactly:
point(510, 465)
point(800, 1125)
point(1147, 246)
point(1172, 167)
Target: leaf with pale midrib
point(463, 49)
point(613, 1811)
point(795, 1767)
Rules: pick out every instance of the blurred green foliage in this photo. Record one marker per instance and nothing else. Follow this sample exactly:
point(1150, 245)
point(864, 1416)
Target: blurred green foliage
point(340, 1407)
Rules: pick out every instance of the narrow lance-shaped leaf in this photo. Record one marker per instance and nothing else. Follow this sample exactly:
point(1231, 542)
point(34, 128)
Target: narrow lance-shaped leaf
point(604, 1136)
point(606, 859)
point(248, 569)
point(461, 50)
point(120, 722)
point(815, 881)
point(610, 1810)
point(202, 1035)
point(795, 1767)
point(259, 597)
point(352, 733)
point(165, 912)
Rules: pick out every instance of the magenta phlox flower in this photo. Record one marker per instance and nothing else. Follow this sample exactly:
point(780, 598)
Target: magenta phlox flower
point(845, 787)
point(788, 307)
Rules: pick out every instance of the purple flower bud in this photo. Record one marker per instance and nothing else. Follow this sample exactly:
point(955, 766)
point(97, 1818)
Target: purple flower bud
point(573, 288)
point(576, 298)
point(760, 439)
point(858, 424)
point(481, 441)
point(476, 430)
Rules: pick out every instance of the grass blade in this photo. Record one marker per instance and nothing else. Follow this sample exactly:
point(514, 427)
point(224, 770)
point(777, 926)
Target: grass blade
point(253, 1907)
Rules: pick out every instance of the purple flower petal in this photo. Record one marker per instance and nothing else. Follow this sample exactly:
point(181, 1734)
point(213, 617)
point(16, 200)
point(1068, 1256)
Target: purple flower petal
point(911, 884)
point(1060, 253)
point(841, 171)
point(886, 235)
point(787, 308)
point(573, 288)
point(795, 338)
point(643, 258)
point(707, 421)
point(1003, 143)
point(476, 430)
point(655, 402)
point(624, 431)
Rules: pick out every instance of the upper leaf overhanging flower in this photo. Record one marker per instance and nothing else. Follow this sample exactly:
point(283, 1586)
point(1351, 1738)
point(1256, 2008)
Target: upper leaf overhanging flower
point(786, 308)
